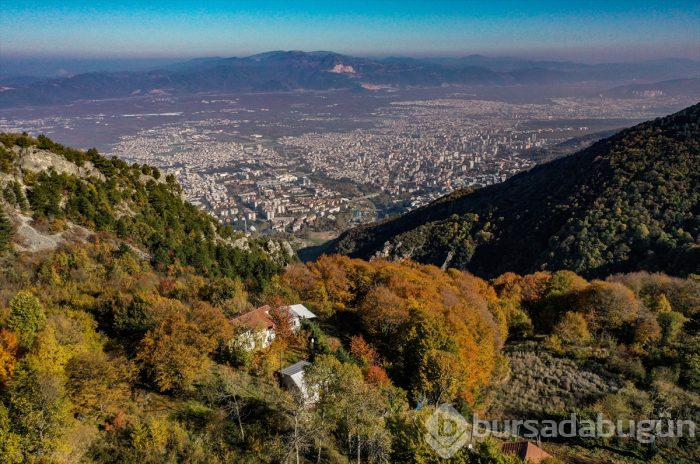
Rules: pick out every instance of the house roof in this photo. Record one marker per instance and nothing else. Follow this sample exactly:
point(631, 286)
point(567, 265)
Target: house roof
point(256, 319)
point(302, 311)
point(526, 451)
point(294, 368)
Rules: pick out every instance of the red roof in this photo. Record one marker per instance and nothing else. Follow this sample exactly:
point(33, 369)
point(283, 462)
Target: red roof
point(256, 319)
point(526, 451)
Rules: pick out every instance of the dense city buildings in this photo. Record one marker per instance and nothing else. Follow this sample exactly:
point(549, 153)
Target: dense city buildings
point(324, 161)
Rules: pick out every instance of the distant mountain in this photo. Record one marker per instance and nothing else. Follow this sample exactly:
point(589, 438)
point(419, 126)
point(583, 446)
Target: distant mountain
point(296, 70)
point(649, 70)
point(628, 202)
point(672, 88)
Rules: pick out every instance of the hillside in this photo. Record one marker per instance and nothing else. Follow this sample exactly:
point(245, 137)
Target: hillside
point(118, 340)
point(628, 202)
point(55, 195)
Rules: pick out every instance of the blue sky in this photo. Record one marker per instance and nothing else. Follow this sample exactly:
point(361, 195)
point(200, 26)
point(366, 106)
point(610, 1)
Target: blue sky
point(586, 30)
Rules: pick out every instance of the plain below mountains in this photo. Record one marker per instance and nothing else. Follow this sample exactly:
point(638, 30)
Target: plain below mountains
point(628, 202)
point(296, 70)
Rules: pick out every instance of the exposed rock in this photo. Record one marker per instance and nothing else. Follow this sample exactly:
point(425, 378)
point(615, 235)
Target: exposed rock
point(287, 248)
point(28, 239)
point(241, 243)
point(37, 160)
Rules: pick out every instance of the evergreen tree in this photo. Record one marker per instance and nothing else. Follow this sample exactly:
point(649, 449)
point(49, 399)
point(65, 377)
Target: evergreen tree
point(5, 231)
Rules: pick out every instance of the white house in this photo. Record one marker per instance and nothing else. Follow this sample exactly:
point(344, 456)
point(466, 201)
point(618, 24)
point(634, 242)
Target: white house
point(298, 312)
point(255, 330)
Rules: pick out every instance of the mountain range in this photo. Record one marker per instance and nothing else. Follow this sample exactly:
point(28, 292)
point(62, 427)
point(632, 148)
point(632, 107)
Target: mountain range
point(628, 202)
point(297, 70)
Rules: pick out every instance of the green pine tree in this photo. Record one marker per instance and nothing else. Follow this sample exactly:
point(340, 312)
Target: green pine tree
point(5, 231)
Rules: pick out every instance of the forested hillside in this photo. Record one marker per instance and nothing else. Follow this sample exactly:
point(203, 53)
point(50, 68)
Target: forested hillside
point(116, 348)
point(629, 202)
point(56, 185)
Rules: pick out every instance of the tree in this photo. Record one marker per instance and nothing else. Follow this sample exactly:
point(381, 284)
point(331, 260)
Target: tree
point(177, 348)
point(227, 388)
point(439, 378)
point(383, 312)
point(5, 231)
point(298, 438)
point(39, 409)
point(647, 329)
point(10, 442)
point(361, 421)
point(573, 329)
point(362, 351)
point(671, 323)
point(607, 305)
point(345, 404)
point(662, 305)
point(282, 318)
point(26, 317)
point(98, 384)
point(222, 290)
point(333, 281)
point(323, 378)
point(8, 354)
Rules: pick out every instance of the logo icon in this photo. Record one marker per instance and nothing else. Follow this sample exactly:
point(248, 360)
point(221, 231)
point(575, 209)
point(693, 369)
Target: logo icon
point(446, 431)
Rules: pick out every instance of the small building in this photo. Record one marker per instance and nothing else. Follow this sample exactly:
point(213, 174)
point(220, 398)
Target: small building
point(528, 452)
point(292, 378)
point(299, 312)
point(255, 330)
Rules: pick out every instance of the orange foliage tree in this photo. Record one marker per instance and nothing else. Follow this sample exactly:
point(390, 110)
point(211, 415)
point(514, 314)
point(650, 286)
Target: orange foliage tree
point(412, 314)
point(177, 348)
point(9, 344)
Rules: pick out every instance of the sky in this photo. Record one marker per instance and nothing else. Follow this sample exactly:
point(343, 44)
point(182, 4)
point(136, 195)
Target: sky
point(589, 31)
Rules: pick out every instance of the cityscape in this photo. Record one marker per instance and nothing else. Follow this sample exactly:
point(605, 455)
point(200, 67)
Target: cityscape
point(318, 164)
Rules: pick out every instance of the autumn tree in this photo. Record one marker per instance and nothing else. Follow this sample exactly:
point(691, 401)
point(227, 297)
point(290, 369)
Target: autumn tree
point(99, 384)
point(573, 329)
point(177, 348)
point(362, 351)
point(323, 378)
point(227, 388)
point(383, 312)
point(225, 293)
point(39, 409)
point(298, 438)
point(439, 378)
point(607, 305)
point(671, 323)
point(284, 326)
point(647, 330)
point(661, 304)
point(9, 345)
point(333, 286)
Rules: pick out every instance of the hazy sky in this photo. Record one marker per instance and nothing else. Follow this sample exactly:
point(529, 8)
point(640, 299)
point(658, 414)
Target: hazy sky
point(582, 30)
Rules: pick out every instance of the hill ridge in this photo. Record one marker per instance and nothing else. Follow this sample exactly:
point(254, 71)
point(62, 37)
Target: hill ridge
point(55, 195)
